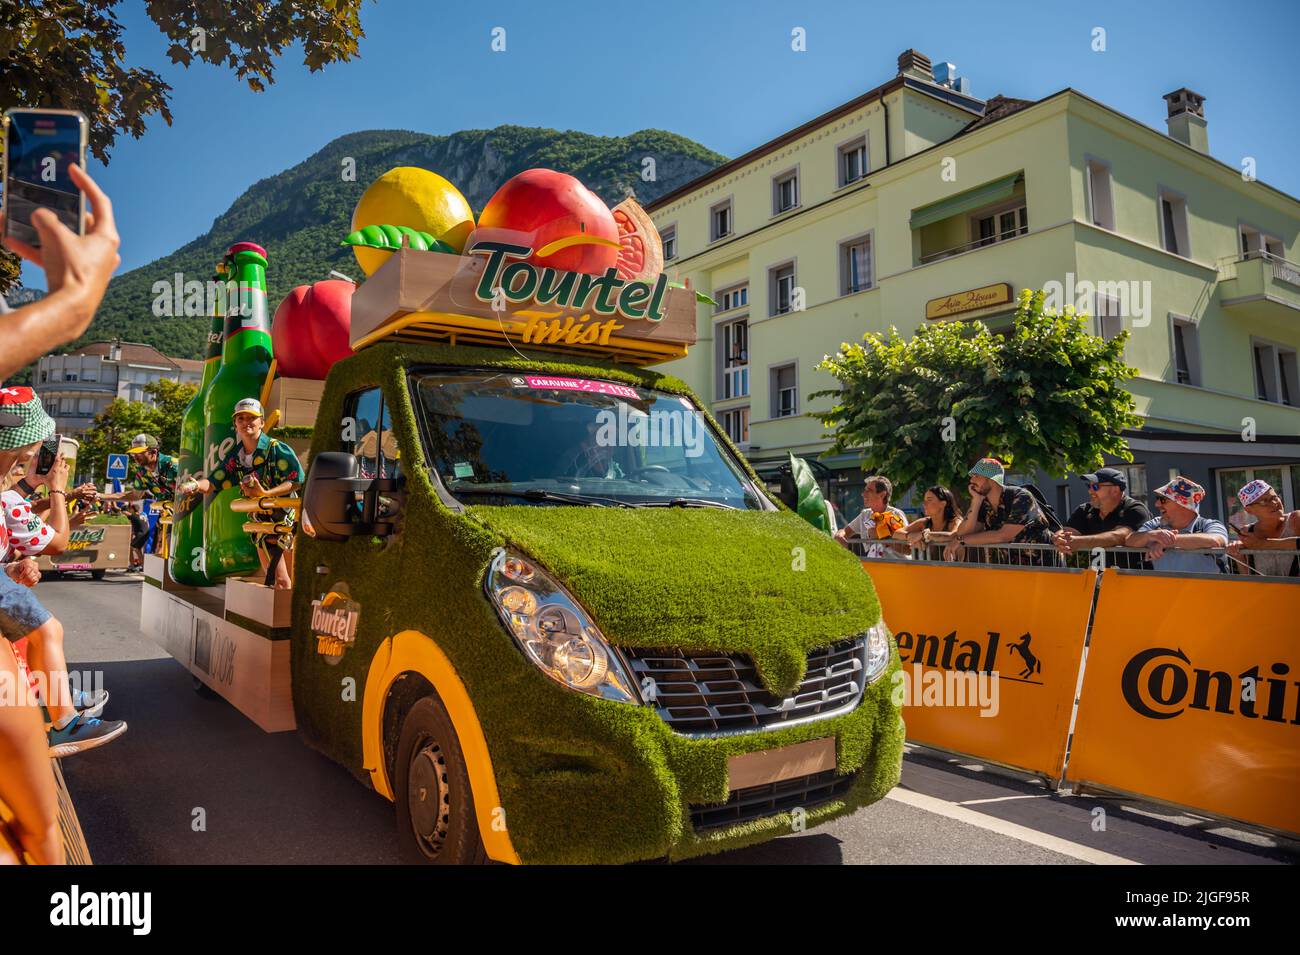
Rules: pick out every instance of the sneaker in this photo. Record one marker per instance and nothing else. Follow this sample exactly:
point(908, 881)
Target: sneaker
point(83, 733)
point(90, 704)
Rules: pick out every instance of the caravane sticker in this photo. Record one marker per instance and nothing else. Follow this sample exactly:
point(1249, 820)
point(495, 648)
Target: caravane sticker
point(582, 384)
point(334, 619)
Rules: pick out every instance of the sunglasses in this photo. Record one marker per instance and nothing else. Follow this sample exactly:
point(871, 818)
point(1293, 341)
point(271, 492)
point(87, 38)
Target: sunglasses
point(1098, 485)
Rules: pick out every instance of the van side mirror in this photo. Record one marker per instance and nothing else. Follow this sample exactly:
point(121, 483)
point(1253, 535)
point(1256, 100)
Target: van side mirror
point(329, 499)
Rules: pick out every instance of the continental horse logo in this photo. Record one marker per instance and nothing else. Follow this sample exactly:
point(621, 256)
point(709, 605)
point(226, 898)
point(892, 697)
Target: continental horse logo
point(1032, 663)
point(334, 619)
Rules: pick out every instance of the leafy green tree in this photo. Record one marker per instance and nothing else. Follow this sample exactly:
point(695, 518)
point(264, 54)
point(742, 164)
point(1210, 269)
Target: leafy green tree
point(69, 54)
point(922, 410)
point(115, 426)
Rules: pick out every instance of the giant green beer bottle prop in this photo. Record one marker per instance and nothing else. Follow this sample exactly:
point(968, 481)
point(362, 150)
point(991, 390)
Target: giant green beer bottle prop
point(245, 362)
point(186, 562)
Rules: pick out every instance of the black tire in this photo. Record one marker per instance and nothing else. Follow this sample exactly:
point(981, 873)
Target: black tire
point(203, 690)
point(96, 575)
point(431, 772)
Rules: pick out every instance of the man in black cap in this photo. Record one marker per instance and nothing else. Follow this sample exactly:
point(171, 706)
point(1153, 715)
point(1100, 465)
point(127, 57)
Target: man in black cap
point(1107, 520)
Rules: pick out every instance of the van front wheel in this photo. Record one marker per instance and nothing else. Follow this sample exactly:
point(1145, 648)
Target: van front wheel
point(435, 805)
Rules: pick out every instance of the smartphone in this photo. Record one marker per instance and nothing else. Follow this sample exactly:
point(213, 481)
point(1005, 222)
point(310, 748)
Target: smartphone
point(40, 144)
point(1243, 520)
point(52, 447)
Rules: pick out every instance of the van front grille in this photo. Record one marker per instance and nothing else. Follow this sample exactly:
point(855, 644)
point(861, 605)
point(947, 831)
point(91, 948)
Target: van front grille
point(699, 693)
point(755, 802)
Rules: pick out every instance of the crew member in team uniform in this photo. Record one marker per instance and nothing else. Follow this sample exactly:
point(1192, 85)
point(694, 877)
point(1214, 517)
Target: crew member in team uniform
point(262, 466)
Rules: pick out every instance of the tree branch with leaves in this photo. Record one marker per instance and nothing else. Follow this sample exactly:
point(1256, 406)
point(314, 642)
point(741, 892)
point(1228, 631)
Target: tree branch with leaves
point(1046, 394)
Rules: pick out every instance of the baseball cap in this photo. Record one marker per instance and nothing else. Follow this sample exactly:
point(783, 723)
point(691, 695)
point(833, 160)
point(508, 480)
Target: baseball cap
point(249, 406)
point(990, 468)
point(22, 419)
point(142, 442)
point(1108, 476)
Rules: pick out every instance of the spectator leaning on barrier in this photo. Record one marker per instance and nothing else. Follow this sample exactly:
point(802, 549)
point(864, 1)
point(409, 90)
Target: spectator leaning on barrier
point(1180, 528)
point(877, 521)
point(998, 514)
point(940, 517)
point(1274, 529)
point(1107, 520)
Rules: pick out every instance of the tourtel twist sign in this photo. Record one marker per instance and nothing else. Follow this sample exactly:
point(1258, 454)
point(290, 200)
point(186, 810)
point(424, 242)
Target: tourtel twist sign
point(493, 289)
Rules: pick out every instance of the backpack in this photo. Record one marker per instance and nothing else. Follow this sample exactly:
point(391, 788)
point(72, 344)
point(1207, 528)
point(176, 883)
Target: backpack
point(1049, 513)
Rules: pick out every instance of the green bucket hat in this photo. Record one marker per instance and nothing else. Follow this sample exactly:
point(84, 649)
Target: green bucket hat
point(22, 419)
point(990, 468)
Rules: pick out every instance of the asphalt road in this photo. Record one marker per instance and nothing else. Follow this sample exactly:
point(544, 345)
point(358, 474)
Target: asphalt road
point(193, 781)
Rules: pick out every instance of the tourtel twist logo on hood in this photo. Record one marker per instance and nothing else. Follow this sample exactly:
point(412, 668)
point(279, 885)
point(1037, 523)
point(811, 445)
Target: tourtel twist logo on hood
point(1161, 683)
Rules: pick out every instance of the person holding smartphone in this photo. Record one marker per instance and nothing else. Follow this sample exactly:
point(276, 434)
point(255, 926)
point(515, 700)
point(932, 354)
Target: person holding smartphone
point(77, 270)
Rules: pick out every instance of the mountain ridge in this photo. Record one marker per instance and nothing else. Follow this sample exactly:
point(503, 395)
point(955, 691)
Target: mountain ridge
point(300, 214)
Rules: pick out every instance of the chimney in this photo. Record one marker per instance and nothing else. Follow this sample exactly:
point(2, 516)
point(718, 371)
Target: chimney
point(914, 64)
point(1187, 119)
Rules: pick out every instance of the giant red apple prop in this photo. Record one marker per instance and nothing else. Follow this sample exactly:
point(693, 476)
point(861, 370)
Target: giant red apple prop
point(567, 225)
point(312, 329)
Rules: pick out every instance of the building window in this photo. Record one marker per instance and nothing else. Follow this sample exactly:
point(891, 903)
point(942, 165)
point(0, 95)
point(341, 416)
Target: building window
point(784, 388)
point(69, 376)
point(781, 289)
point(1173, 224)
point(733, 360)
point(1186, 351)
point(669, 238)
point(1109, 321)
point(720, 224)
point(65, 406)
point(856, 265)
point(736, 423)
point(1100, 205)
point(853, 161)
point(785, 192)
point(85, 407)
point(1255, 244)
point(1276, 377)
point(45, 376)
point(735, 297)
point(999, 226)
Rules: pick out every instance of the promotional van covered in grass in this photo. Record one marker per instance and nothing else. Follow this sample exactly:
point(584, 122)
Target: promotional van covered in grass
point(540, 601)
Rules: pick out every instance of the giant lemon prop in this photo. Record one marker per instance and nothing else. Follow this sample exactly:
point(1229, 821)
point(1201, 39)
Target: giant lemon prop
point(413, 197)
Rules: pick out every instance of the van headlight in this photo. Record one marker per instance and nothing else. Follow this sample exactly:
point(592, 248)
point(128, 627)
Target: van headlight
point(553, 631)
point(877, 651)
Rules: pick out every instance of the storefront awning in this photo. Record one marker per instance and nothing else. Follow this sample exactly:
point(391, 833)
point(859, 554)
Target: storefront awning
point(998, 190)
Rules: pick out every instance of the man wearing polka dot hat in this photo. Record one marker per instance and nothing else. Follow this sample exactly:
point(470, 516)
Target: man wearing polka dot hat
point(262, 467)
point(23, 426)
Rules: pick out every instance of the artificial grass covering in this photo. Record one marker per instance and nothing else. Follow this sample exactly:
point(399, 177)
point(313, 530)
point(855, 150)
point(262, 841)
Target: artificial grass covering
point(582, 779)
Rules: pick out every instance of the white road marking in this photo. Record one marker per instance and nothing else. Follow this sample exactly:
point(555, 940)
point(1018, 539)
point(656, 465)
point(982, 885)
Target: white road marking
point(941, 807)
point(976, 802)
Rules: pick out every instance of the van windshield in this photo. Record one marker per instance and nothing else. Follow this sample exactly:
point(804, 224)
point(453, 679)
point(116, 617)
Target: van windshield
point(518, 438)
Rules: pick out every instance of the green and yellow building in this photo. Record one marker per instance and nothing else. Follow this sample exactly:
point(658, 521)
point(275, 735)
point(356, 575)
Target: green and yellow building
point(918, 202)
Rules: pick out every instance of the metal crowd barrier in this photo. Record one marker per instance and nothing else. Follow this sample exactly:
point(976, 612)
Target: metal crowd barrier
point(1045, 556)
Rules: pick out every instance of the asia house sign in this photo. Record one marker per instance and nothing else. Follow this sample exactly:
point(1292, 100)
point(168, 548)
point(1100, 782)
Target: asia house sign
point(970, 301)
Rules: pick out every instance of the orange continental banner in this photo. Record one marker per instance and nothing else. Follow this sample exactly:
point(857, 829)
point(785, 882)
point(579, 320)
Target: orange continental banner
point(1192, 695)
point(990, 656)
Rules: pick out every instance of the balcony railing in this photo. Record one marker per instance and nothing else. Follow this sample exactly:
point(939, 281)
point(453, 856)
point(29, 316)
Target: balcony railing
point(976, 244)
point(1282, 269)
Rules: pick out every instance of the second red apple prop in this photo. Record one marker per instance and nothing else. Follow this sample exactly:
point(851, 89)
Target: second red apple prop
point(312, 329)
point(541, 208)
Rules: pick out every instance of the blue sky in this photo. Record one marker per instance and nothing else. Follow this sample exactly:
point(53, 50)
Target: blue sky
point(721, 73)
